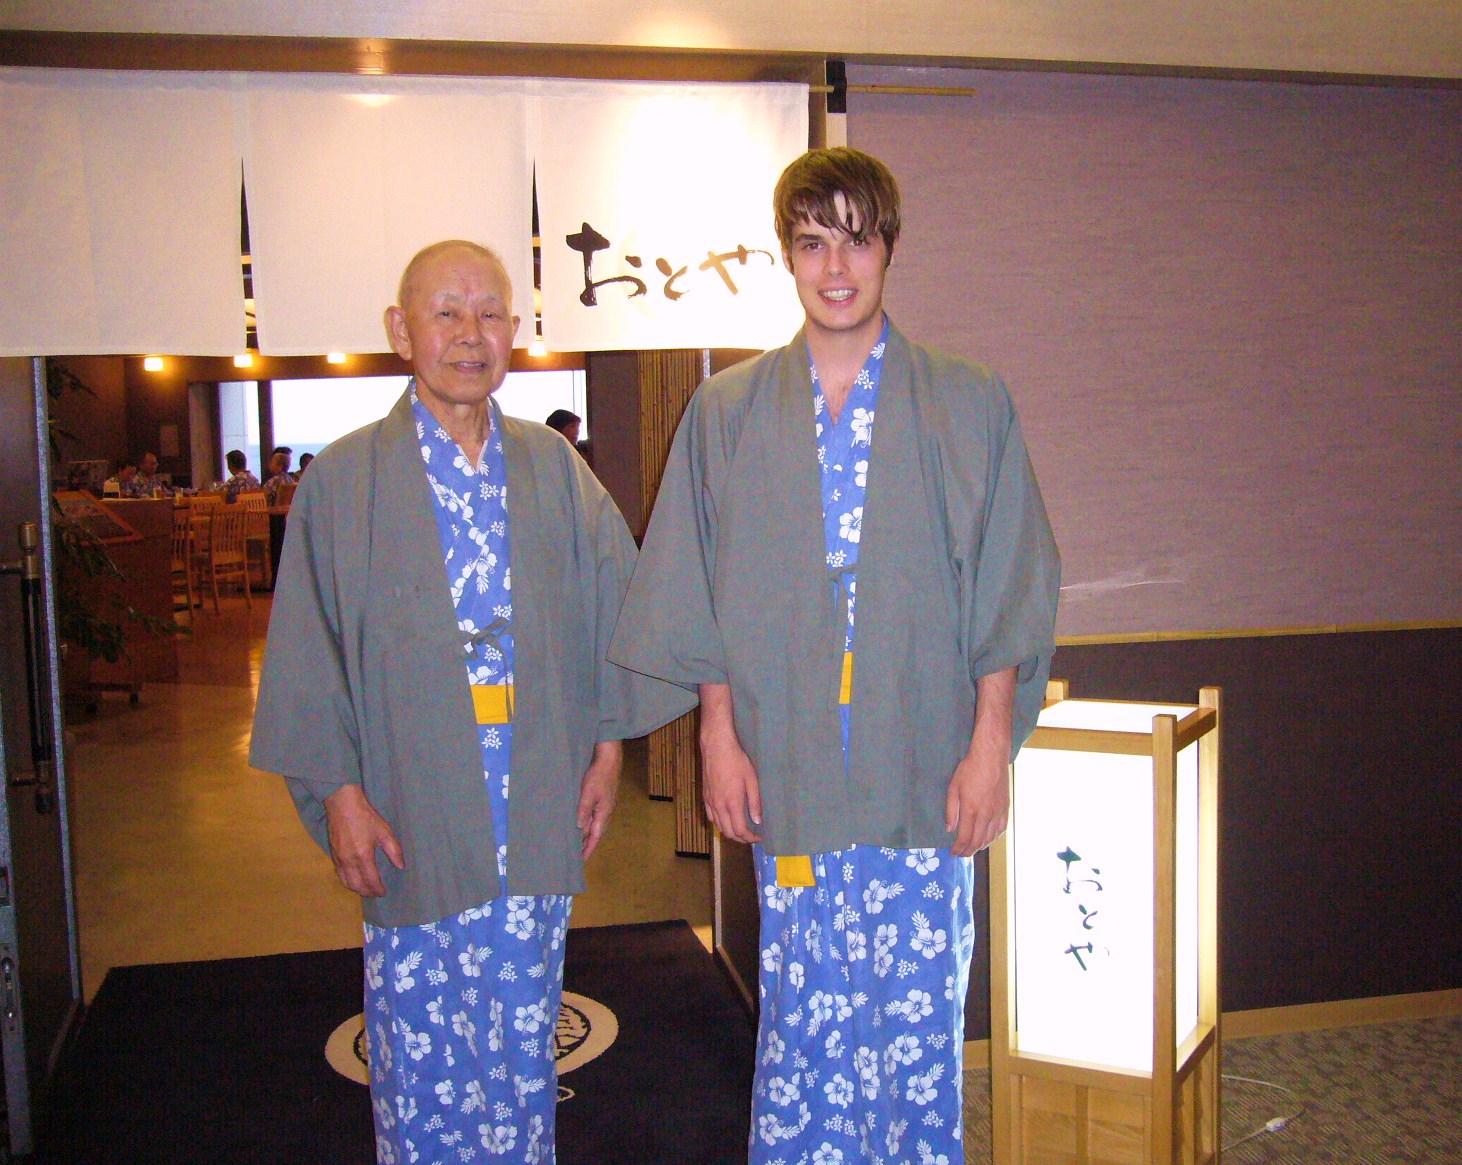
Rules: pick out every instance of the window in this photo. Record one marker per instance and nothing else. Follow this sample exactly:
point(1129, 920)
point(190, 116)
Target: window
point(309, 414)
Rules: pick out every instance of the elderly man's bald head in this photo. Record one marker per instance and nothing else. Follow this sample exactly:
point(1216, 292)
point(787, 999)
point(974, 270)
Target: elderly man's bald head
point(427, 254)
point(455, 327)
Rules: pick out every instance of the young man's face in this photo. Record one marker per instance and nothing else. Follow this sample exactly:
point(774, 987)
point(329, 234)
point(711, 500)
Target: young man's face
point(839, 278)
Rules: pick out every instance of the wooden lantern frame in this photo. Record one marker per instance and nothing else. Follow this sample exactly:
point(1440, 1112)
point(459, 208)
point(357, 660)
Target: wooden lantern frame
point(1051, 1111)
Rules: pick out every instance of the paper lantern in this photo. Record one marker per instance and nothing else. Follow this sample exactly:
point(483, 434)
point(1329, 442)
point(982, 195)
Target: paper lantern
point(1104, 960)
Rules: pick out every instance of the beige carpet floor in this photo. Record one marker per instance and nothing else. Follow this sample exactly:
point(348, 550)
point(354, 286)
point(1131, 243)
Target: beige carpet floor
point(1382, 1094)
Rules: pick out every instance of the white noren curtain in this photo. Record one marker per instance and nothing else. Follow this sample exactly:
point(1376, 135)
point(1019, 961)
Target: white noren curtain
point(348, 177)
point(119, 214)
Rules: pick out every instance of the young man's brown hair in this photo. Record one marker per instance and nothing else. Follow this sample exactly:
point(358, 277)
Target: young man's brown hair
point(809, 187)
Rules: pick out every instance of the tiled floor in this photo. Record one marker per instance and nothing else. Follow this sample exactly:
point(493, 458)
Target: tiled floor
point(182, 851)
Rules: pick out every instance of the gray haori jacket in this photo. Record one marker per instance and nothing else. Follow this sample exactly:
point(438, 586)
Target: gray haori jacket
point(957, 578)
point(365, 678)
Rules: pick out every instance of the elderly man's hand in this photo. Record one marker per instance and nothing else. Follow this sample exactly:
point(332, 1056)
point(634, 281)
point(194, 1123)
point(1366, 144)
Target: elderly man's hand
point(356, 830)
point(598, 792)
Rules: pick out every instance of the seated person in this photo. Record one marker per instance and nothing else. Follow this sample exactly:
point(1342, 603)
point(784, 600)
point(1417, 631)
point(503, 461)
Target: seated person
point(146, 483)
point(241, 481)
point(278, 475)
point(120, 486)
point(305, 459)
point(566, 423)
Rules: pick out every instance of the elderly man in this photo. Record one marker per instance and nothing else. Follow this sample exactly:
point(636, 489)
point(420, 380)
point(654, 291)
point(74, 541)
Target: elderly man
point(435, 557)
point(852, 469)
point(276, 474)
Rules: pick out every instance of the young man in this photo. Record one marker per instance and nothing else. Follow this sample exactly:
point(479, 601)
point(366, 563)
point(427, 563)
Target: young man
point(240, 479)
point(388, 700)
point(852, 474)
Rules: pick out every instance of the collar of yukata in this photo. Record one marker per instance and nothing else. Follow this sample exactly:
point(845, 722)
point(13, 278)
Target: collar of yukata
point(494, 437)
point(874, 360)
point(867, 378)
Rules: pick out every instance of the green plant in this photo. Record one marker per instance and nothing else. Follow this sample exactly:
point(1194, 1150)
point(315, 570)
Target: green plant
point(59, 381)
point(90, 611)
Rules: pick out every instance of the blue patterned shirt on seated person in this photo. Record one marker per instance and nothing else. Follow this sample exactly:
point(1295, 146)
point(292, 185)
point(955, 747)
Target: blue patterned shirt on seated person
point(271, 487)
point(146, 487)
point(240, 483)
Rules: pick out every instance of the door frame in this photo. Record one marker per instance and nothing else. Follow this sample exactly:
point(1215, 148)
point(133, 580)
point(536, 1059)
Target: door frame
point(21, 1089)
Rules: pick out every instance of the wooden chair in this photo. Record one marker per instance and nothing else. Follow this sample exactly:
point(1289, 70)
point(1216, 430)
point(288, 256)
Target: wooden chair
point(226, 556)
point(182, 556)
point(284, 495)
point(256, 531)
point(200, 510)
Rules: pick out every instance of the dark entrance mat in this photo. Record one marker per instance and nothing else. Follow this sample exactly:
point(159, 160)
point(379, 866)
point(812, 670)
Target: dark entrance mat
point(225, 1061)
point(675, 1087)
point(213, 1061)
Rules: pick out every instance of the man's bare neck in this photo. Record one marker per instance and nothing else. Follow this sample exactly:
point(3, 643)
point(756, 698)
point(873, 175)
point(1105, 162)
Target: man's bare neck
point(467, 425)
point(839, 358)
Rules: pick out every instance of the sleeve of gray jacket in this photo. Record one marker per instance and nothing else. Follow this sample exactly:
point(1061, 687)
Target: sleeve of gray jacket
point(630, 704)
point(1010, 597)
point(304, 720)
point(667, 627)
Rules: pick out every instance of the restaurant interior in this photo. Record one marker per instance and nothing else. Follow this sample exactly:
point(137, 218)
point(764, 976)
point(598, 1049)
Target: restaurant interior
point(158, 739)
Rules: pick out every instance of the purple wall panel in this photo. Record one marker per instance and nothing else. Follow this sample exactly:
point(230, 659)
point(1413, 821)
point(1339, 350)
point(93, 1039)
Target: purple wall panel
point(1231, 317)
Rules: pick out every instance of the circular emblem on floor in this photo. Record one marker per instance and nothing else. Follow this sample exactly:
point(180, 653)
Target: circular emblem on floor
point(585, 1030)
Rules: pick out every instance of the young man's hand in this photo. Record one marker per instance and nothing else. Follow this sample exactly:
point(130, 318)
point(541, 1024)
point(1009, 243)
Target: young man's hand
point(732, 792)
point(977, 809)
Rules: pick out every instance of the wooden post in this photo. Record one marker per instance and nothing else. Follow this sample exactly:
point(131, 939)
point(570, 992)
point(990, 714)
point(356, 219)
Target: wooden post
point(667, 380)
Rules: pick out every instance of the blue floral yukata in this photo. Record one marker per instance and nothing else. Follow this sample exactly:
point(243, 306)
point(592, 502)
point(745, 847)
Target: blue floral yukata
point(863, 973)
point(460, 1014)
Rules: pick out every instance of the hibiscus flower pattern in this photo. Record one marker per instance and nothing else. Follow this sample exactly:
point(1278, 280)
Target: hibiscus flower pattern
point(457, 1012)
point(859, 1045)
point(863, 975)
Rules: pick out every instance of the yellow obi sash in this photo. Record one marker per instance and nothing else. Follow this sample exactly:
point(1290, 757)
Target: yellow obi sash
point(493, 703)
point(797, 870)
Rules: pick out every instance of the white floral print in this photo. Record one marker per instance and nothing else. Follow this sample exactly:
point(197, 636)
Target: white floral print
point(860, 1036)
point(461, 1049)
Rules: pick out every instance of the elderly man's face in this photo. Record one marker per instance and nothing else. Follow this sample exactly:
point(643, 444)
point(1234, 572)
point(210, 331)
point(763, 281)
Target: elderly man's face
point(456, 327)
point(149, 465)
